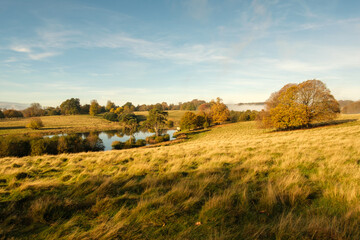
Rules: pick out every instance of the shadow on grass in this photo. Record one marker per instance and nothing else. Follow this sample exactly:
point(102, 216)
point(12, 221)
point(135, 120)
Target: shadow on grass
point(8, 128)
point(317, 125)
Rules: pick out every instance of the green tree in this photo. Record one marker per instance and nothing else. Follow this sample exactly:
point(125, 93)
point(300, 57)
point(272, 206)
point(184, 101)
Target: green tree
point(94, 108)
point(2, 114)
point(156, 121)
point(70, 106)
point(130, 124)
point(188, 121)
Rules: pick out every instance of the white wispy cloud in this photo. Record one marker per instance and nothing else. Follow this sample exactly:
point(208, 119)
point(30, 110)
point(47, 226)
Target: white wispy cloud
point(21, 49)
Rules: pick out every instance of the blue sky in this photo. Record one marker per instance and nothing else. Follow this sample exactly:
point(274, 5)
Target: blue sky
point(162, 50)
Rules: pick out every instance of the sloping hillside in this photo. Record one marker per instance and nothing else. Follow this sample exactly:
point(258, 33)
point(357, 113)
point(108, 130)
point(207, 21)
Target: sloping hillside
point(233, 182)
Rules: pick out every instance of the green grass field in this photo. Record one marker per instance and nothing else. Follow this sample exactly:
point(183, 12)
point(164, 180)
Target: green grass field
point(232, 182)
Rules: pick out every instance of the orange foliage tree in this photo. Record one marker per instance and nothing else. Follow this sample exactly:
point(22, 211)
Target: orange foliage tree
point(219, 111)
point(298, 105)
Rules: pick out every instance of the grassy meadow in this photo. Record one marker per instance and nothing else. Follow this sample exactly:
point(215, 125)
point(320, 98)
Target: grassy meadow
point(233, 182)
point(58, 124)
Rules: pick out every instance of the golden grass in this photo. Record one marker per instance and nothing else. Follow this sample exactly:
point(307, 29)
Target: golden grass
point(233, 182)
point(58, 124)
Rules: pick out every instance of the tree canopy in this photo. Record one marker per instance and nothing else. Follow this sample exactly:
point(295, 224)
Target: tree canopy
point(156, 121)
point(94, 108)
point(219, 111)
point(297, 105)
point(70, 106)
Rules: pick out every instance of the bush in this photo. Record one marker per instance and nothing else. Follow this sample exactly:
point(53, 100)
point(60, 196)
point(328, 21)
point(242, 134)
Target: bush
point(93, 143)
point(117, 145)
point(170, 123)
point(140, 142)
point(2, 114)
point(157, 139)
point(35, 123)
point(111, 116)
point(14, 146)
point(70, 144)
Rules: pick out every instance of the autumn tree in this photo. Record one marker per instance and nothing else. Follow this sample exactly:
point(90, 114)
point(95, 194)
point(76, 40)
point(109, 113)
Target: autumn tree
point(94, 108)
point(70, 106)
point(219, 111)
point(156, 121)
point(188, 121)
point(34, 110)
point(109, 105)
point(298, 105)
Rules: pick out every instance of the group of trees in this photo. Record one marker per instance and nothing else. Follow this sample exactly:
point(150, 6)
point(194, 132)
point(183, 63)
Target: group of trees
point(215, 112)
point(350, 107)
point(299, 105)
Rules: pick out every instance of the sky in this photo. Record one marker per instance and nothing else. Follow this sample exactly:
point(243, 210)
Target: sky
point(152, 51)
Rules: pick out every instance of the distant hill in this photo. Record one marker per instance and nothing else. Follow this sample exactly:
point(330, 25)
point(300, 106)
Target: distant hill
point(258, 106)
point(350, 107)
point(11, 105)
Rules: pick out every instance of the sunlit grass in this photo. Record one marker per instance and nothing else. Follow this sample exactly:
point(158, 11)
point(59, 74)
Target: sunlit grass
point(233, 182)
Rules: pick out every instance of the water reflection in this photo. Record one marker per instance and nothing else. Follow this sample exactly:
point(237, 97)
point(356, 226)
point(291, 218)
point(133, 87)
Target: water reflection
point(108, 137)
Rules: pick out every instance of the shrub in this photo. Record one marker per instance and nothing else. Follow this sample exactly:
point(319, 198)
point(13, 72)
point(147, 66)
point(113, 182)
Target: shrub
point(70, 144)
point(93, 143)
point(14, 146)
point(44, 146)
point(117, 145)
point(140, 142)
point(35, 123)
point(111, 116)
point(2, 114)
point(170, 123)
point(157, 139)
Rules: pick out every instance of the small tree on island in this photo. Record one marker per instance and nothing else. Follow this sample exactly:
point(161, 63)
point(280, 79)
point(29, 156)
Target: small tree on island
point(156, 121)
point(299, 105)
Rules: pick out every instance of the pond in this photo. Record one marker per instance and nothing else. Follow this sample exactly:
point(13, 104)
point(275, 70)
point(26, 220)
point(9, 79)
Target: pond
point(108, 137)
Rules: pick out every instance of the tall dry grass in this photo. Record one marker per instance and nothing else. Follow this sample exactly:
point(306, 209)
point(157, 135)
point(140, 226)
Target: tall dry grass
point(233, 182)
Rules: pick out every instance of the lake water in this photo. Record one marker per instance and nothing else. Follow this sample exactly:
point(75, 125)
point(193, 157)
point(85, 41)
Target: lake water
point(108, 137)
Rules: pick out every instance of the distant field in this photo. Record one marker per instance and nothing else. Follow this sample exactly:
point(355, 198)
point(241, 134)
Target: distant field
point(174, 115)
point(232, 182)
point(70, 123)
point(58, 124)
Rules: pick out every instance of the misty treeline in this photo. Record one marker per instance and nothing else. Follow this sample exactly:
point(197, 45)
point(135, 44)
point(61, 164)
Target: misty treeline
point(19, 146)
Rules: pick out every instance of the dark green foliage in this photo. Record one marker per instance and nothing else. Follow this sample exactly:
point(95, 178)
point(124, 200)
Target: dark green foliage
point(70, 144)
point(242, 116)
point(70, 106)
point(85, 109)
point(117, 145)
point(51, 111)
point(14, 146)
point(11, 113)
point(158, 139)
point(2, 114)
point(93, 143)
point(190, 121)
point(140, 142)
point(156, 121)
point(170, 124)
point(111, 116)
